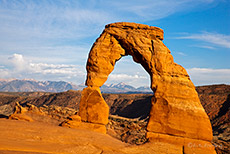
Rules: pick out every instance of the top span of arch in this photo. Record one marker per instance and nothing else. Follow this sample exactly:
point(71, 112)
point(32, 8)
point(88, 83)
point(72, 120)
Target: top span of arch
point(157, 32)
point(142, 42)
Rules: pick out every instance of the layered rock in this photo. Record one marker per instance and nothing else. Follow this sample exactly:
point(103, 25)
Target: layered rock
point(20, 113)
point(176, 110)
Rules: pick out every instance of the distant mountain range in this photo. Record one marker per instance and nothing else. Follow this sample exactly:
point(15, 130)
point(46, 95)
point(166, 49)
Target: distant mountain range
point(124, 88)
point(30, 85)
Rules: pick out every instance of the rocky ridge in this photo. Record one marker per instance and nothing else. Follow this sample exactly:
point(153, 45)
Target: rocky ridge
point(216, 101)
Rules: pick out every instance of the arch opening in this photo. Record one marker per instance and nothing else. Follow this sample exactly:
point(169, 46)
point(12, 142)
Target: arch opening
point(129, 72)
point(128, 111)
point(123, 99)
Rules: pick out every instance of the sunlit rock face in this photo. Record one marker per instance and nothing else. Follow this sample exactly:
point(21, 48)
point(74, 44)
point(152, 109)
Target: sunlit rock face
point(176, 111)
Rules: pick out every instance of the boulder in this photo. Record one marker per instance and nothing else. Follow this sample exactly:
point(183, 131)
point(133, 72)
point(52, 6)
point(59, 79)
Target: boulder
point(93, 108)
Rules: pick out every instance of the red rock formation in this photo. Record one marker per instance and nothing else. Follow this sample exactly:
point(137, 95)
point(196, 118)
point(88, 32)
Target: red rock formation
point(19, 113)
point(176, 111)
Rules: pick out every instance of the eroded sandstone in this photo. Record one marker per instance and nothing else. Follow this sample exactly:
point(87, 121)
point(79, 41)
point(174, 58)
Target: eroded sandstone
point(176, 109)
point(20, 113)
point(93, 108)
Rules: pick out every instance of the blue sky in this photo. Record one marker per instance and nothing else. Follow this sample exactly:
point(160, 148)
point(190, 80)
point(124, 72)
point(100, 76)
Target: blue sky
point(51, 39)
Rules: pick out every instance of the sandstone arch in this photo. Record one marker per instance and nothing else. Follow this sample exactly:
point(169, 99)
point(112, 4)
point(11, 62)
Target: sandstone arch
point(176, 110)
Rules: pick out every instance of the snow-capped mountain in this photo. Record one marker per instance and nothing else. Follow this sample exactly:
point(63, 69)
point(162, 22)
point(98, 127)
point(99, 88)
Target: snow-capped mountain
point(124, 88)
point(30, 85)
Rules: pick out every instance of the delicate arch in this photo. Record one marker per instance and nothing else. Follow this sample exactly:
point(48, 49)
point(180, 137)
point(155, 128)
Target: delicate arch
point(176, 109)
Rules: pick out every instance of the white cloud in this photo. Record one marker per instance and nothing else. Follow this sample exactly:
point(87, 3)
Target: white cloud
point(19, 67)
point(64, 69)
point(18, 63)
point(199, 76)
point(125, 77)
point(181, 53)
point(207, 76)
point(135, 80)
point(4, 72)
point(205, 47)
point(48, 54)
point(217, 39)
